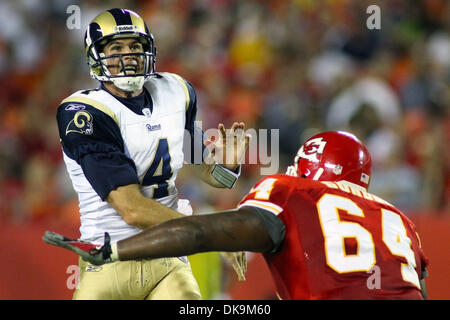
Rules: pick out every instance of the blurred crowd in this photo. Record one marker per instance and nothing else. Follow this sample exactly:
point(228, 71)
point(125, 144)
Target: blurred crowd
point(300, 66)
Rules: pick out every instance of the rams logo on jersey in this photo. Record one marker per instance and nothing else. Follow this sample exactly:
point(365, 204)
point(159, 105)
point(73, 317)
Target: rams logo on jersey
point(81, 123)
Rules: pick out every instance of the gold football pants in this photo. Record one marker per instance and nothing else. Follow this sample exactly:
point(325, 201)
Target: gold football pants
point(158, 279)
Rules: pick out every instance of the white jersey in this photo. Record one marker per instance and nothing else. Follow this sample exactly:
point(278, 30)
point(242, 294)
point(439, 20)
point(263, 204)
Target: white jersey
point(153, 140)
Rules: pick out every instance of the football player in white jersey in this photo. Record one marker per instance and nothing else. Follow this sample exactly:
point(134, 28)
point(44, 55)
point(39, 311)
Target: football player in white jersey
point(123, 144)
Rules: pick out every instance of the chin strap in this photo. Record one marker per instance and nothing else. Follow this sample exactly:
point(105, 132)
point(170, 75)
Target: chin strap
point(131, 84)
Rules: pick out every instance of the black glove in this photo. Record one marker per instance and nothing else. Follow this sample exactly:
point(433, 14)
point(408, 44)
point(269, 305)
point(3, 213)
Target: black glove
point(96, 255)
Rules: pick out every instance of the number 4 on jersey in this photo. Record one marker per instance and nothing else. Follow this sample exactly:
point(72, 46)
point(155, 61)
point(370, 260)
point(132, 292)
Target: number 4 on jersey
point(159, 171)
point(264, 189)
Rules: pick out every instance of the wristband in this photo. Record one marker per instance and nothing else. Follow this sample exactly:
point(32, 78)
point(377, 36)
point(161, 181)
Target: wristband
point(225, 176)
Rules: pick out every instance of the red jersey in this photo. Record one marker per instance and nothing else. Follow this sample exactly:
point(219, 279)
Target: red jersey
point(340, 241)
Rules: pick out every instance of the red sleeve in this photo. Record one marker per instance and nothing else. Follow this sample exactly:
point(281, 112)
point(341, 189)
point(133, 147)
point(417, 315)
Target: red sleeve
point(270, 194)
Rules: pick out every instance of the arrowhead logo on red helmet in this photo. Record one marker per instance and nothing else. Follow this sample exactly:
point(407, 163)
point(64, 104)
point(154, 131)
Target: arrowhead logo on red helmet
point(311, 148)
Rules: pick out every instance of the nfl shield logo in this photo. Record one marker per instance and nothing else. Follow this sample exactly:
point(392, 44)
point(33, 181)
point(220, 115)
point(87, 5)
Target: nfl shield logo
point(146, 112)
point(337, 169)
point(365, 178)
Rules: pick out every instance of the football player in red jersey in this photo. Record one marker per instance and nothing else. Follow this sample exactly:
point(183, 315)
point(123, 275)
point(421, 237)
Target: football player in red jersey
point(323, 235)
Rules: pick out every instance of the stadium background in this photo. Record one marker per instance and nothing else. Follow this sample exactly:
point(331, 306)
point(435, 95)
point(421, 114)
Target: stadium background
point(297, 65)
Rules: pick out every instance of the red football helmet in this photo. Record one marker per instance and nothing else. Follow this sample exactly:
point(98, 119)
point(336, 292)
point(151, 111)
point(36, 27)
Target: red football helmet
point(333, 156)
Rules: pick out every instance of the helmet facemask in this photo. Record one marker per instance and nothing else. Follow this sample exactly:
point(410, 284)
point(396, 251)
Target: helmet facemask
point(129, 78)
point(293, 169)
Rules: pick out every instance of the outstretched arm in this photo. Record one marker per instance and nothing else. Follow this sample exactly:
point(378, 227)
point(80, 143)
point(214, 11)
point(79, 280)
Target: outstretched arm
point(244, 229)
point(238, 230)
